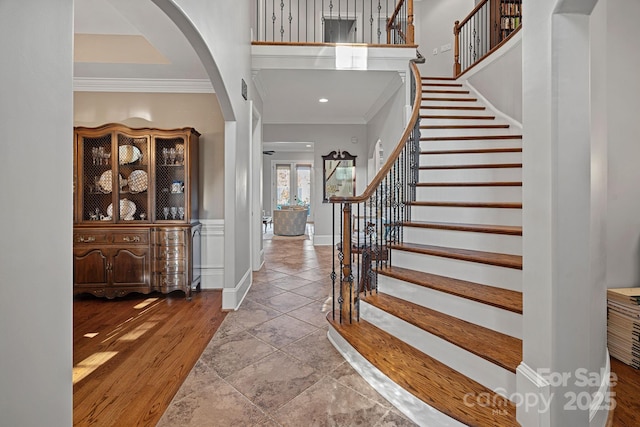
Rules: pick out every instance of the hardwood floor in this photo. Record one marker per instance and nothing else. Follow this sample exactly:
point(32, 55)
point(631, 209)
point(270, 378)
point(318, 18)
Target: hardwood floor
point(627, 395)
point(130, 355)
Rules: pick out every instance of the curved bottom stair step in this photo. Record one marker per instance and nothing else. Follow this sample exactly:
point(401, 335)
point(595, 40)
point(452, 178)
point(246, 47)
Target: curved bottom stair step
point(429, 380)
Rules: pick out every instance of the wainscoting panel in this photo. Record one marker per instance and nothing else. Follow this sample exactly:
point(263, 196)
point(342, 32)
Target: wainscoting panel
point(212, 253)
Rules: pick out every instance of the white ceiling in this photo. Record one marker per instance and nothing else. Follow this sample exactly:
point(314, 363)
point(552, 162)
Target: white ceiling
point(290, 96)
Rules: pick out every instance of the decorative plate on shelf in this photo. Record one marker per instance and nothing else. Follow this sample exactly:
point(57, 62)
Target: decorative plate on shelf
point(105, 181)
point(129, 154)
point(127, 209)
point(138, 181)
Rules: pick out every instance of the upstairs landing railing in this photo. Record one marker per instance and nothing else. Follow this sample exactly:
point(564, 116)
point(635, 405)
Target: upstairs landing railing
point(489, 25)
point(373, 22)
point(367, 225)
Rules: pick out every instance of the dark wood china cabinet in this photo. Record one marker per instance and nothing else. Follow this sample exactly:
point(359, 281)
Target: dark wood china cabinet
point(136, 223)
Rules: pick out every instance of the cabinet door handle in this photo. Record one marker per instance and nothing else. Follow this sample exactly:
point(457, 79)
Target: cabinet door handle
point(131, 239)
point(88, 239)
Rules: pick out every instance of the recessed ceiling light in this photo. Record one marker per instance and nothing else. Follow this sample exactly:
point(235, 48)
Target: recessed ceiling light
point(308, 145)
point(323, 100)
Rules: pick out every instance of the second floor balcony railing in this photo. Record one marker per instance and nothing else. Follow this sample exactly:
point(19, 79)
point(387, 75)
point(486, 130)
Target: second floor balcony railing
point(372, 22)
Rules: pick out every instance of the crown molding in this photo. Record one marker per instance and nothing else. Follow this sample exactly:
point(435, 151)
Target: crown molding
point(88, 84)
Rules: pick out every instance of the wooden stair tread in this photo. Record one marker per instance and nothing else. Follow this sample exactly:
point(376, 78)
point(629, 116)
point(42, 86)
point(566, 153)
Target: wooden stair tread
point(452, 107)
point(470, 184)
point(505, 205)
point(453, 117)
point(469, 137)
point(490, 295)
point(474, 166)
point(511, 230)
point(429, 98)
point(446, 91)
point(495, 347)
point(442, 84)
point(464, 126)
point(426, 378)
point(437, 78)
point(474, 151)
point(482, 257)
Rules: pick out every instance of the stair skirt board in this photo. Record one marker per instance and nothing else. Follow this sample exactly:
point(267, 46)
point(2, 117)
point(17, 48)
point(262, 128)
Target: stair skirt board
point(463, 193)
point(470, 175)
point(487, 316)
point(486, 242)
point(491, 275)
point(482, 215)
point(412, 407)
point(468, 364)
point(469, 158)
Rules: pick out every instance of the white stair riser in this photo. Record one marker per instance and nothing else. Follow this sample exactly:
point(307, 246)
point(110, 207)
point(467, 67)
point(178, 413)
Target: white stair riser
point(468, 120)
point(469, 159)
point(487, 316)
point(464, 240)
point(501, 277)
point(426, 132)
point(463, 144)
point(455, 103)
point(449, 112)
point(426, 94)
point(478, 369)
point(469, 194)
point(493, 216)
point(471, 175)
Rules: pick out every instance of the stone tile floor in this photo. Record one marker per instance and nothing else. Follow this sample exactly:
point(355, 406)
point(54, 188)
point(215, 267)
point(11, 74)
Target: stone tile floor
point(271, 363)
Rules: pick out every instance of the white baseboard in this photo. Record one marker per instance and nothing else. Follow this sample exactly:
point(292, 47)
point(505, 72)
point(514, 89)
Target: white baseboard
point(232, 297)
point(531, 383)
point(212, 278)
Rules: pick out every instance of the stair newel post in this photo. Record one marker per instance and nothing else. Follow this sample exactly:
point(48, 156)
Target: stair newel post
point(346, 290)
point(456, 46)
point(333, 261)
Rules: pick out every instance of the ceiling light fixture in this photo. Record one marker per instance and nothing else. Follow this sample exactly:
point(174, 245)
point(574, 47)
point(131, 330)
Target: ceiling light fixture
point(323, 100)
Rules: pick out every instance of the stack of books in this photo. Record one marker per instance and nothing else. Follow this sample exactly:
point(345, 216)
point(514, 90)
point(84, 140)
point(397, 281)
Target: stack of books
point(623, 325)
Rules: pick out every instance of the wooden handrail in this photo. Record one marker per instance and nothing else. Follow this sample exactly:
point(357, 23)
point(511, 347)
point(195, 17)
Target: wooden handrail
point(470, 15)
point(375, 182)
point(409, 39)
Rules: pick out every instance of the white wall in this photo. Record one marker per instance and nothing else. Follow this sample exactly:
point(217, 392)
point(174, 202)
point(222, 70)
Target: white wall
point(223, 45)
point(36, 119)
point(434, 21)
point(326, 138)
point(388, 124)
point(563, 294)
point(623, 130)
point(499, 79)
point(166, 111)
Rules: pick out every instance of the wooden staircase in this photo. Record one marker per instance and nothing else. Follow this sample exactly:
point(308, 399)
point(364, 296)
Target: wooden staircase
point(444, 331)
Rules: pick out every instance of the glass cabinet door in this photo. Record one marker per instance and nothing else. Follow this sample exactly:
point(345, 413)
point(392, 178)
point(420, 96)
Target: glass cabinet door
point(170, 180)
point(133, 180)
point(95, 180)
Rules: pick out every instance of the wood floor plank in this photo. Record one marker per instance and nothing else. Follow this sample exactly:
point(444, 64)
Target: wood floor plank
point(627, 394)
point(426, 378)
point(490, 295)
point(155, 348)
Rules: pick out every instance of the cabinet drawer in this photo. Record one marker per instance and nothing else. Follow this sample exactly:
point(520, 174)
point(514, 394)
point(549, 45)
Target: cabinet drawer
point(171, 237)
point(170, 252)
point(90, 237)
point(130, 237)
point(165, 281)
point(170, 267)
